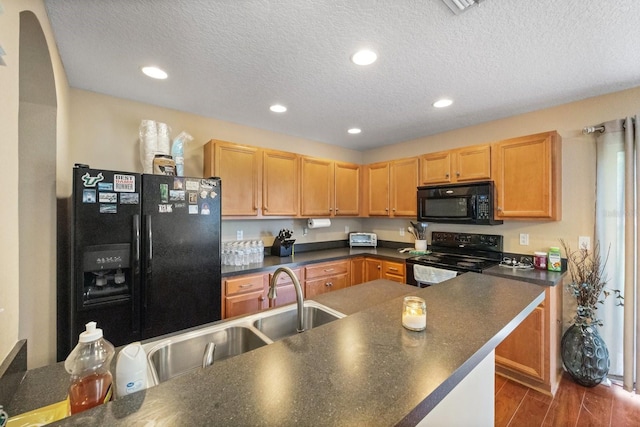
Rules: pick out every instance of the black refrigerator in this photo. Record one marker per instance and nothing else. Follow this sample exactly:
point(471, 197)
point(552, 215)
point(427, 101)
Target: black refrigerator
point(145, 256)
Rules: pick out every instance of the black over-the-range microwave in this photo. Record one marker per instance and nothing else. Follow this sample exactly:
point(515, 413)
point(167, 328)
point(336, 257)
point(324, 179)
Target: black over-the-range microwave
point(470, 203)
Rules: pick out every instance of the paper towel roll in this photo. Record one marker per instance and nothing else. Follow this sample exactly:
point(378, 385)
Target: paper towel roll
point(319, 222)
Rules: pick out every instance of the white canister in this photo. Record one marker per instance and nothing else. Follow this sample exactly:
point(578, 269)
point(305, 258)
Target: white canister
point(131, 370)
point(421, 245)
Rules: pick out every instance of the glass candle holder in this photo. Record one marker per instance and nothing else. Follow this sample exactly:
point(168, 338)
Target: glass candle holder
point(414, 313)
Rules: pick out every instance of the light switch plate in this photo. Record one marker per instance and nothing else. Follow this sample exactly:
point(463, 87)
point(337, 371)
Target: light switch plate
point(239, 235)
point(524, 239)
point(584, 242)
point(402, 231)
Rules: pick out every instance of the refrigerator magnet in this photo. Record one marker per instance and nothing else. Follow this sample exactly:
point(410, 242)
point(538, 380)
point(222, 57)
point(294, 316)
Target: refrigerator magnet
point(191, 185)
point(91, 181)
point(109, 209)
point(193, 209)
point(129, 198)
point(205, 209)
point(108, 197)
point(88, 196)
point(164, 208)
point(124, 183)
point(164, 193)
point(105, 186)
point(178, 184)
point(204, 194)
point(180, 205)
point(176, 195)
point(213, 194)
point(193, 198)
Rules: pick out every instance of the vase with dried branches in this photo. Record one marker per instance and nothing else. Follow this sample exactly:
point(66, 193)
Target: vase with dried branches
point(584, 352)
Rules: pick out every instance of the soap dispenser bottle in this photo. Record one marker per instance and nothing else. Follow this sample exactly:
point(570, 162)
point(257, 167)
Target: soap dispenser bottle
point(88, 364)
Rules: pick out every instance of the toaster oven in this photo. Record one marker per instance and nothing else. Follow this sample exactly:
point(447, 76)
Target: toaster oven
point(363, 239)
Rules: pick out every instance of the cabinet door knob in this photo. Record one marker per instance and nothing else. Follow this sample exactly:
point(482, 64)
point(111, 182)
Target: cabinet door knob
point(457, 173)
point(446, 175)
point(379, 267)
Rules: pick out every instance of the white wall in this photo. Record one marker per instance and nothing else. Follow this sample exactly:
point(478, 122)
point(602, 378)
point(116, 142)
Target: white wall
point(41, 285)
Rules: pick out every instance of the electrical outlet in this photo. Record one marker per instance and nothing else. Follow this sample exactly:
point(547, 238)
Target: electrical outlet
point(402, 231)
point(346, 229)
point(584, 242)
point(305, 230)
point(239, 235)
point(524, 239)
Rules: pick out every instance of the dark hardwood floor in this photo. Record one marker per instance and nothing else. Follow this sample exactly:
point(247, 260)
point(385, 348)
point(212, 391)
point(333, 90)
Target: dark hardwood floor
point(573, 405)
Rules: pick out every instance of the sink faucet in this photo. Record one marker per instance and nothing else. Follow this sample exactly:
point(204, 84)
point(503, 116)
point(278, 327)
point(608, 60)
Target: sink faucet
point(296, 284)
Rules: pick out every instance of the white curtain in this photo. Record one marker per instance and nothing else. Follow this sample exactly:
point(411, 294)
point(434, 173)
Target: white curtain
point(616, 229)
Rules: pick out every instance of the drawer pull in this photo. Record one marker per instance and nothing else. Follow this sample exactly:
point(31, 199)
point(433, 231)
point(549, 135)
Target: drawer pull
point(328, 284)
point(328, 270)
point(246, 285)
point(393, 269)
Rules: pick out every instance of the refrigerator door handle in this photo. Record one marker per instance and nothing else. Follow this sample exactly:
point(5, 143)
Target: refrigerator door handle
point(148, 269)
point(135, 315)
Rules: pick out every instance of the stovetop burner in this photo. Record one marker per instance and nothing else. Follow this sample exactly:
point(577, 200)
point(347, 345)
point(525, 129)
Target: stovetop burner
point(462, 251)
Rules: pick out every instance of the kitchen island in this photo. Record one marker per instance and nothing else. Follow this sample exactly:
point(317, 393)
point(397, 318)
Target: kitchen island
point(364, 369)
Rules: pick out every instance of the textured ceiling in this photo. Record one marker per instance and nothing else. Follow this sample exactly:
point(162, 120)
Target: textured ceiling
point(232, 59)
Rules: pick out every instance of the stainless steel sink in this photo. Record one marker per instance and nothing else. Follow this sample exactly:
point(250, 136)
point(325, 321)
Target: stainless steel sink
point(281, 325)
point(181, 353)
point(184, 353)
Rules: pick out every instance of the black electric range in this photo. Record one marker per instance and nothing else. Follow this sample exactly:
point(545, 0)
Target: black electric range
point(458, 252)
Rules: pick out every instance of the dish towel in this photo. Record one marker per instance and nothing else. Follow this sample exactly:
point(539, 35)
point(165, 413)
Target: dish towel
point(427, 275)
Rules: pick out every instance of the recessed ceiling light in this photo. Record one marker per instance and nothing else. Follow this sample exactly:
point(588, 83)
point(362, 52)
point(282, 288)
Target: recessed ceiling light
point(155, 73)
point(277, 108)
point(354, 131)
point(364, 57)
point(441, 103)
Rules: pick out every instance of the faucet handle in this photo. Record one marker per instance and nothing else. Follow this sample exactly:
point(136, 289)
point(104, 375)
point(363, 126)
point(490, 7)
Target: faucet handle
point(207, 358)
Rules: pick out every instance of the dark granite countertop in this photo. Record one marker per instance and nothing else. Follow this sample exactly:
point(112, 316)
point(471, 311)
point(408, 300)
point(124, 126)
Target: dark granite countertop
point(354, 371)
point(272, 262)
point(539, 277)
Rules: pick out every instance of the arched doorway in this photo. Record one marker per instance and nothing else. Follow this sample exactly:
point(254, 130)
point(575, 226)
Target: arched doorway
point(37, 193)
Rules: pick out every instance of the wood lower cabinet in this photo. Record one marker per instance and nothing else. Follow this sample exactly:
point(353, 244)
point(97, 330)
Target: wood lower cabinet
point(528, 179)
point(326, 277)
point(393, 271)
point(357, 271)
point(384, 269)
point(286, 291)
point(461, 165)
point(531, 353)
point(243, 295)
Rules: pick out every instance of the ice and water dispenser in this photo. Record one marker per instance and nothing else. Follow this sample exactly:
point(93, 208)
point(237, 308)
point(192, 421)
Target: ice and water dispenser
point(107, 273)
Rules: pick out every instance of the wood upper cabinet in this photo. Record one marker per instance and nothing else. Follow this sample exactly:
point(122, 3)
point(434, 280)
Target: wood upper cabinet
point(329, 188)
point(279, 183)
point(462, 165)
point(239, 168)
point(527, 174)
point(392, 188)
point(531, 353)
point(347, 189)
point(316, 180)
point(378, 189)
